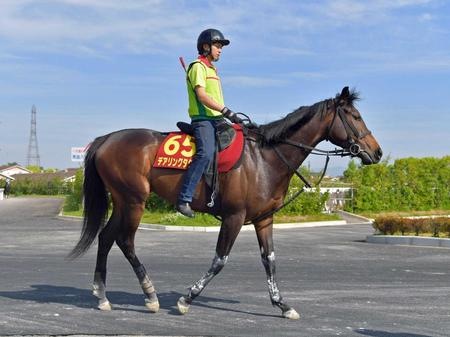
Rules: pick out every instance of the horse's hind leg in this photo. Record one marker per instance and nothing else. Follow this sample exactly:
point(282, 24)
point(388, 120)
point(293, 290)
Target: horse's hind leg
point(229, 230)
point(125, 241)
point(264, 231)
point(105, 242)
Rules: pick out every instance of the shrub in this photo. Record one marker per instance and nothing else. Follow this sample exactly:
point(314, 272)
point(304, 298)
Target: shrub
point(392, 225)
point(307, 203)
point(406, 184)
point(385, 225)
point(75, 199)
point(418, 226)
point(434, 226)
point(155, 203)
point(39, 186)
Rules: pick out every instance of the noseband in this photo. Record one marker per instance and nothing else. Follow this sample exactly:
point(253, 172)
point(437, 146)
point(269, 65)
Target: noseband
point(352, 132)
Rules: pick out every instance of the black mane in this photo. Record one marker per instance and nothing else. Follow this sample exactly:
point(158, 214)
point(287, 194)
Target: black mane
point(352, 98)
point(281, 129)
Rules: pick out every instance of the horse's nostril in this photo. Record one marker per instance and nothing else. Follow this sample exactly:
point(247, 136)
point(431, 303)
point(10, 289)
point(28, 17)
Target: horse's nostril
point(379, 153)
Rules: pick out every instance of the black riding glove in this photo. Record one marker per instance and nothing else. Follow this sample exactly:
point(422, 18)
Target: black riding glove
point(252, 125)
point(231, 116)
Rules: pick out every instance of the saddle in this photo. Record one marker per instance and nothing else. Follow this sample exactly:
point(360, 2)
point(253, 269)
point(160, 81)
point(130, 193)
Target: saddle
point(178, 148)
point(225, 133)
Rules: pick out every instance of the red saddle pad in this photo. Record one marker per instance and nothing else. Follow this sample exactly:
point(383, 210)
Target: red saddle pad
point(178, 149)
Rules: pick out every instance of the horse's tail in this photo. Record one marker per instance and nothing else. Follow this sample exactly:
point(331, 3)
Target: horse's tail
point(95, 201)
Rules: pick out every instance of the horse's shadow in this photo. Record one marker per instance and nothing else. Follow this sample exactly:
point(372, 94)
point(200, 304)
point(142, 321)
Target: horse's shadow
point(83, 298)
point(381, 333)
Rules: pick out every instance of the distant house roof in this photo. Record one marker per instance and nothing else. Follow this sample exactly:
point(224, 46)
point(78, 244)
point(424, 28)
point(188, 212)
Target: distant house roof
point(4, 177)
point(10, 170)
point(10, 167)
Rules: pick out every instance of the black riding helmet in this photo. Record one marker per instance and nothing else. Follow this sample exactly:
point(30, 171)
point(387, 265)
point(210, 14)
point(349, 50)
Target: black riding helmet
point(209, 36)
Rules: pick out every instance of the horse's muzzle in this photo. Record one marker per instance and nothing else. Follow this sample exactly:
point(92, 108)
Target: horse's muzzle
point(370, 158)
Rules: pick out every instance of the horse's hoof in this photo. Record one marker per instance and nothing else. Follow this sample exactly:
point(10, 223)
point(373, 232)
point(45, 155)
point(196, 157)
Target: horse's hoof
point(183, 306)
point(152, 306)
point(291, 314)
point(104, 305)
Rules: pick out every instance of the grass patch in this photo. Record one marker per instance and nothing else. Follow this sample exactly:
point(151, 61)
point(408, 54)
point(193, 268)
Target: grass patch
point(73, 213)
point(206, 220)
point(38, 196)
point(176, 219)
point(305, 218)
point(403, 214)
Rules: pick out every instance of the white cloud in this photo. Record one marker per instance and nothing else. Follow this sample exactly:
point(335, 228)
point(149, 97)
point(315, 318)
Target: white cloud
point(133, 26)
point(367, 12)
point(308, 74)
point(100, 27)
point(425, 17)
point(252, 81)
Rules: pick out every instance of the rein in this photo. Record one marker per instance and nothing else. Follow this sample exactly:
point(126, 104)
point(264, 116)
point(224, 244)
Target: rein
point(353, 150)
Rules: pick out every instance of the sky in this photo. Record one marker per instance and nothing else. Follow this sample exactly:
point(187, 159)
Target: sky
point(95, 66)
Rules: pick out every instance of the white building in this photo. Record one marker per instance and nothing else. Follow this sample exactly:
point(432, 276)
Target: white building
point(7, 171)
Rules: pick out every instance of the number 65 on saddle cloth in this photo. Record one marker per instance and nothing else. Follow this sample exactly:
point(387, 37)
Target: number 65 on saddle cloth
point(178, 149)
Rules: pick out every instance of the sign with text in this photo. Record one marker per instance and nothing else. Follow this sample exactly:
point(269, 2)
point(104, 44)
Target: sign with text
point(78, 153)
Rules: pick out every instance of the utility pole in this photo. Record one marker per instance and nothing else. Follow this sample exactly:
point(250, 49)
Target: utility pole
point(33, 151)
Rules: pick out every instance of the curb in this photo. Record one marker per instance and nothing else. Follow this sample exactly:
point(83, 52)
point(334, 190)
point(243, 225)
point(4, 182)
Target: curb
point(145, 226)
point(408, 240)
point(69, 217)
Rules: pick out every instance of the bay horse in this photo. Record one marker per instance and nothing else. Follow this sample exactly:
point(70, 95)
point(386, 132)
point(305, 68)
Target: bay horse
point(121, 163)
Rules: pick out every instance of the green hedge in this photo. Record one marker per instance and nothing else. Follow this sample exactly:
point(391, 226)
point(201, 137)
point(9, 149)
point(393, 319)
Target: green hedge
point(308, 203)
point(416, 226)
point(408, 184)
point(41, 187)
point(74, 200)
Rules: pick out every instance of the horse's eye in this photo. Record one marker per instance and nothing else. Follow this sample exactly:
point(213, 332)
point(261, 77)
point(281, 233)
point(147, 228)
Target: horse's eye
point(357, 117)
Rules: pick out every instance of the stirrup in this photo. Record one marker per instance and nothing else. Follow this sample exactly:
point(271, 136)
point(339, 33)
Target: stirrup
point(211, 203)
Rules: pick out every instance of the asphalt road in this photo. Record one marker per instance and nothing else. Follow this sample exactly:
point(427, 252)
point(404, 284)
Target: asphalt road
point(340, 285)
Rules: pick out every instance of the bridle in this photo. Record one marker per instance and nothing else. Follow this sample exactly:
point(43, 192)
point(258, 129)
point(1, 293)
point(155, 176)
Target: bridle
point(352, 132)
point(353, 149)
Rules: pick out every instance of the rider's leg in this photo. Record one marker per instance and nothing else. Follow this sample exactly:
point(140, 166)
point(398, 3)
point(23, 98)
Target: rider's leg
point(205, 141)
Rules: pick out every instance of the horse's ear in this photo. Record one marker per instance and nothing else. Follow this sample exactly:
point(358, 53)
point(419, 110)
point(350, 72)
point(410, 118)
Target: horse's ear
point(345, 93)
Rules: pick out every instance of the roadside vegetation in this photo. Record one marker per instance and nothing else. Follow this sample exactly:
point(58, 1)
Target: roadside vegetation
point(307, 207)
point(52, 187)
point(405, 187)
point(391, 193)
point(429, 226)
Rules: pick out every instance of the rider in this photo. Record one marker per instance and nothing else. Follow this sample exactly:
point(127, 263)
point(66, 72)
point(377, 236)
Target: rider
point(206, 108)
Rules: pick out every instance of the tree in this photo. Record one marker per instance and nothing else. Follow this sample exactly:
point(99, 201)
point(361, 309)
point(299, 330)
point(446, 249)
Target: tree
point(407, 184)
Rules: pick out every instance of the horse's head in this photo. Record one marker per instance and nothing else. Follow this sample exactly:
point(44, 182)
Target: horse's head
point(348, 130)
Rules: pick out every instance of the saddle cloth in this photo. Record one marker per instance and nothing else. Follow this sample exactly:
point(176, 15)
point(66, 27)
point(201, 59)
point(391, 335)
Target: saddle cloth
point(178, 149)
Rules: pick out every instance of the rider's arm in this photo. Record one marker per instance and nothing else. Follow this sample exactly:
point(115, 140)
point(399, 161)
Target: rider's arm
point(206, 100)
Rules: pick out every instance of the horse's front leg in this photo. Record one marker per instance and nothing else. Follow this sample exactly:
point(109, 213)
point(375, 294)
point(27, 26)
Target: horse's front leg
point(264, 232)
point(231, 226)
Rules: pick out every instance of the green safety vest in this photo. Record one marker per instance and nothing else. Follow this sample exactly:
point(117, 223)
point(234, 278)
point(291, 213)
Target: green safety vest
point(201, 72)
